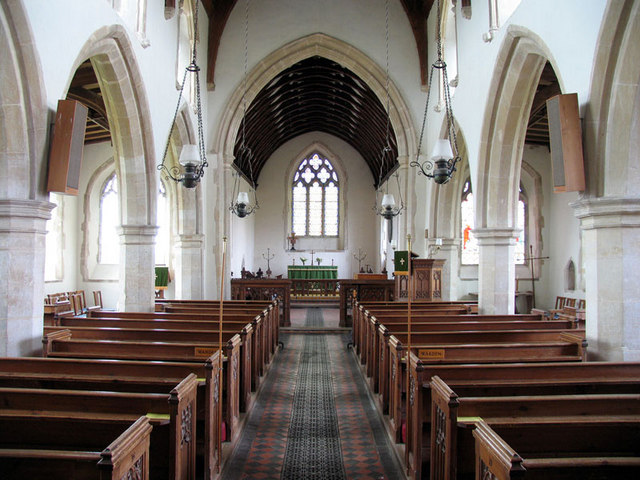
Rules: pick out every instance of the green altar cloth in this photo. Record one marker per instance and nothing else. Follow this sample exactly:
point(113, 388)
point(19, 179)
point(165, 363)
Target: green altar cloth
point(311, 272)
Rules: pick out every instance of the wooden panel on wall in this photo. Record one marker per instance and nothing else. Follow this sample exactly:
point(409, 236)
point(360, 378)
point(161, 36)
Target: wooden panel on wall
point(67, 144)
point(565, 135)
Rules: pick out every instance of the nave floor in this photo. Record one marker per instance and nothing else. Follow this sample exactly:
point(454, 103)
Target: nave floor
point(313, 417)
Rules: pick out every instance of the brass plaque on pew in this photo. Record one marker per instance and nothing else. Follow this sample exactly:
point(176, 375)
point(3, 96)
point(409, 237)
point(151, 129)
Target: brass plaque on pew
point(430, 353)
point(204, 351)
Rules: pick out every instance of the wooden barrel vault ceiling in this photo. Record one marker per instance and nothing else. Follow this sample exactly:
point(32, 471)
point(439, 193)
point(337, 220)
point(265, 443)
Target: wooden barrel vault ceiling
point(316, 95)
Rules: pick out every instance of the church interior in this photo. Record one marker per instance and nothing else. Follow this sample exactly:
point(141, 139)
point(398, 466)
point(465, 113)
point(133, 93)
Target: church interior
point(333, 221)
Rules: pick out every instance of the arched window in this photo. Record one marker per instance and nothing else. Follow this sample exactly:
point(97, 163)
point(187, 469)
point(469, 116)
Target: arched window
point(470, 251)
point(521, 241)
point(315, 198)
point(108, 241)
point(163, 222)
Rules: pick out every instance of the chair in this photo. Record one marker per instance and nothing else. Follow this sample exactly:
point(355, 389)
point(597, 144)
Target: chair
point(97, 298)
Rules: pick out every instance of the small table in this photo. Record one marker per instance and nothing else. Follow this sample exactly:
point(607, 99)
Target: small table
point(311, 272)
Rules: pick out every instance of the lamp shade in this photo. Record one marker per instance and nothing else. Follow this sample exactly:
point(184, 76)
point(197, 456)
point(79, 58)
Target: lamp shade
point(442, 150)
point(388, 201)
point(189, 154)
point(243, 198)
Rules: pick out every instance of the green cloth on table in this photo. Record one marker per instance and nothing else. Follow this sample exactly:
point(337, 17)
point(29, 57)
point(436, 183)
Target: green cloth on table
point(304, 272)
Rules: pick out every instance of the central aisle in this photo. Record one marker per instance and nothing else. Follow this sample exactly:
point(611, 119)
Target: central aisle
point(313, 418)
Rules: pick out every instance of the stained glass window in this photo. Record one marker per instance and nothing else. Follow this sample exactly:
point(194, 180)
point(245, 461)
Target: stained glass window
point(470, 251)
point(109, 242)
point(315, 193)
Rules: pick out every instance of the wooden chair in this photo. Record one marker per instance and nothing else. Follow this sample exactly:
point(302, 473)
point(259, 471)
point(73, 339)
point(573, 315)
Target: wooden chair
point(582, 304)
point(97, 298)
point(570, 302)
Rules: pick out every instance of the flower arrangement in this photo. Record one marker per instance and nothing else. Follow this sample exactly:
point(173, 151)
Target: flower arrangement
point(303, 260)
point(318, 261)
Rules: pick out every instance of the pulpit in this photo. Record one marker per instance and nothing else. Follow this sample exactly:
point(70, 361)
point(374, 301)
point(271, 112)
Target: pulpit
point(426, 280)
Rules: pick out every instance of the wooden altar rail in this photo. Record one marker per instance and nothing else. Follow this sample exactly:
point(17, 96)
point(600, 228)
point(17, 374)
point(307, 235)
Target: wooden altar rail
point(265, 289)
point(325, 288)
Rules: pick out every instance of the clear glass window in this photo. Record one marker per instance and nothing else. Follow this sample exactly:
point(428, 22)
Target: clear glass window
point(315, 193)
point(163, 219)
point(109, 242)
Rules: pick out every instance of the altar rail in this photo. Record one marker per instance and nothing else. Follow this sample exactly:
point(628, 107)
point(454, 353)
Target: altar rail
point(265, 289)
point(305, 288)
point(347, 289)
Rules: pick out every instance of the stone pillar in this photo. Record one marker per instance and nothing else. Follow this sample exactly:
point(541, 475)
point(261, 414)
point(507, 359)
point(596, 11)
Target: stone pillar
point(451, 268)
point(496, 270)
point(188, 267)
point(611, 245)
point(22, 257)
point(137, 268)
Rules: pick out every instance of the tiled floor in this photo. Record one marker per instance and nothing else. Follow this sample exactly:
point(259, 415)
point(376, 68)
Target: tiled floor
point(366, 453)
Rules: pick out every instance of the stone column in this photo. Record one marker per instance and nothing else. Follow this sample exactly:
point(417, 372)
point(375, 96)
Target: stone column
point(451, 268)
point(137, 268)
point(611, 244)
point(22, 257)
point(188, 267)
point(496, 270)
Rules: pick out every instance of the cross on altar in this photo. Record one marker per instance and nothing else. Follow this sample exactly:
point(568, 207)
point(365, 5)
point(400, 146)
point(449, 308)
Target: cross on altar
point(312, 253)
point(292, 239)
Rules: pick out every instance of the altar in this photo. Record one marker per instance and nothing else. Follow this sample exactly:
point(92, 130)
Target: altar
point(311, 272)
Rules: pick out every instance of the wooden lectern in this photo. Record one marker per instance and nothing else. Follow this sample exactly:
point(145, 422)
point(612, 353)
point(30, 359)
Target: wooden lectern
point(426, 280)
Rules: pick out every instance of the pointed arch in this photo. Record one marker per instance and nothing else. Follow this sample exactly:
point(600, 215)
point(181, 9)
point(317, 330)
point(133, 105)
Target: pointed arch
point(333, 49)
point(114, 62)
point(518, 67)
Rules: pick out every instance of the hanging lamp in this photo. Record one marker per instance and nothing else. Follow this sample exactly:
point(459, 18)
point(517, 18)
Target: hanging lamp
point(444, 156)
point(240, 204)
point(192, 159)
point(387, 208)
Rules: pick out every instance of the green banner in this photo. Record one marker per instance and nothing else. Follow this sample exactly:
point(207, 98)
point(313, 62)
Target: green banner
point(162, 276)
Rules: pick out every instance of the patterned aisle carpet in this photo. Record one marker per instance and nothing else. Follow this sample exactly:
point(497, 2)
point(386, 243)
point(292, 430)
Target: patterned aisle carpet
point(313, 418)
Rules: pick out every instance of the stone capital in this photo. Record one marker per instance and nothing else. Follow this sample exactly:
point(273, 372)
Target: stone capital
point(192, 241)
point(608, 212)
point(24, 216)
point(138, 234)
point(496, 236)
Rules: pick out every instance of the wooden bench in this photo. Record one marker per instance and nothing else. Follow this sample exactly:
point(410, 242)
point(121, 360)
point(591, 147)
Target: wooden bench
point(560, 451)
point(126, 376)
point(259, 346)
point(265, 327)
point(58, 448)
point(62, 345)
point(568, 348)
point(209, 338)
point(176, 410)
point(378, 368)
point(507, 379)
point(451, 412)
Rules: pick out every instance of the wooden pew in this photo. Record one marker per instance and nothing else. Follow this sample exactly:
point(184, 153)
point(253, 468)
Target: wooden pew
point(257, 354)
point(568, 348)
point(178, 409)
point(264, 325)
point(62, 345)
point(174, 336)
point(126, 376)
point(377, 344)
point(40, 448)
point(507, 379)
point(450, 412)
point(560, 451)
